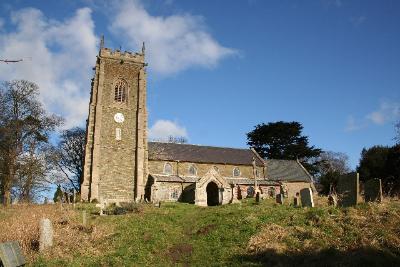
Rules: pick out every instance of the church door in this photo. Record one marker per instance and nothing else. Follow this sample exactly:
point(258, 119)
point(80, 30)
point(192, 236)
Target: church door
point(212, 194)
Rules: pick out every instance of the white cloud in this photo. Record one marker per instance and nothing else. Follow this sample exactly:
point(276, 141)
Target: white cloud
point(352, 125)
point(173, 43)
point(57, 55)
point(163, 129)
point(388, 111)
point(357, 21)
point(334, 3)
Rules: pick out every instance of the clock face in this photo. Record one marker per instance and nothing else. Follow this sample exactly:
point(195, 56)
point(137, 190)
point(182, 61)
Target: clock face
point(119, 117)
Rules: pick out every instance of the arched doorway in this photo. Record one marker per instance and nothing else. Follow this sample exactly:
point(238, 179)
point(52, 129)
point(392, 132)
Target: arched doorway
point(212, 194)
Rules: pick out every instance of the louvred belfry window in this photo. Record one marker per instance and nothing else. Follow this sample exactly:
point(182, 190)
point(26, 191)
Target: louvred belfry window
point(120, 91)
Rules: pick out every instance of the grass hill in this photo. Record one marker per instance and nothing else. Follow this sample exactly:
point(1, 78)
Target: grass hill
point(177, 234)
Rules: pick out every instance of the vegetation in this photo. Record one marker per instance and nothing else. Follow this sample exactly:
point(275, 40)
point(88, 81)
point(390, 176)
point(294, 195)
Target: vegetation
point(284, 140)
point(24, 133)
point(58, 195)
point(382, 162)
point(331, 166)
point(67, 157)
point(246, 234)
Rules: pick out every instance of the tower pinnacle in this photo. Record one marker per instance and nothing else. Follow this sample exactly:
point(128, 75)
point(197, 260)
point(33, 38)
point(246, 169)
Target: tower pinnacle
point(102, 41)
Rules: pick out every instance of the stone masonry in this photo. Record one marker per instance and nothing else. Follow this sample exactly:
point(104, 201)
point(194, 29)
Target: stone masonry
point(116, 170)
point(119, 168)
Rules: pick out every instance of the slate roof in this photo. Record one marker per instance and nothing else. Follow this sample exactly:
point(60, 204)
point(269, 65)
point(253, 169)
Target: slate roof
point(248, 181)
point(167, 178)
point(180, 179)
point(277, 170)
point(174, 178)
point(286, 170)
point(201, 154)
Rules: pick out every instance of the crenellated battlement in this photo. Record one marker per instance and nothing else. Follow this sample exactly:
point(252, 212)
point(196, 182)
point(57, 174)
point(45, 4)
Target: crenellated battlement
point(119, 55)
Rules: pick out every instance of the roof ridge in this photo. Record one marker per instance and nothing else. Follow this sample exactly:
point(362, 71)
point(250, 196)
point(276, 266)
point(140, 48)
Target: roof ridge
point(280, 160)
point(224, 147)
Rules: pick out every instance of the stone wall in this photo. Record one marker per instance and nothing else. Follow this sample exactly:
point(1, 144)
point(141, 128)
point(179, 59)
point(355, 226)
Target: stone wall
point(295, 187)
point(182, 169)
point(172, 191)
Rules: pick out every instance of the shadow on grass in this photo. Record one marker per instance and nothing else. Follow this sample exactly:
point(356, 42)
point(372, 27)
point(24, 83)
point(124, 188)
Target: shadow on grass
point(329, 257)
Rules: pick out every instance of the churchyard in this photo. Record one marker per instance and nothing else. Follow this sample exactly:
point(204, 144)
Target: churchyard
point(248, 233)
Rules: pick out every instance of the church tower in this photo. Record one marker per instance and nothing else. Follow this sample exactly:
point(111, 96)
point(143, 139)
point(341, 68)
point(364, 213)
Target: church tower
point(116, 154)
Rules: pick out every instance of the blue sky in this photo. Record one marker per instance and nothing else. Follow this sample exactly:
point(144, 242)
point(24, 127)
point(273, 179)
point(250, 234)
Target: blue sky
point(218, 68)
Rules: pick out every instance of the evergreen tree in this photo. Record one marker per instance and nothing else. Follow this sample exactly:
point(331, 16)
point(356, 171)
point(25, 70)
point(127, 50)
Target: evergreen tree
point(58, 194)
point(284, 140)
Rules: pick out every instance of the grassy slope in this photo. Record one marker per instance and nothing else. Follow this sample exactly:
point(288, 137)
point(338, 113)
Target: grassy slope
point(183, 234)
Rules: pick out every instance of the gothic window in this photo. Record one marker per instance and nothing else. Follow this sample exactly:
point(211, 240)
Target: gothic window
point(118, 134)
point(168, 168)
point(120, 90)
point(236, 172)
point(257, 173)
point(192, 170)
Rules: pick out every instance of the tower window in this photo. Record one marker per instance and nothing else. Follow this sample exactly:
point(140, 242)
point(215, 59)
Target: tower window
point(168, 168)
point(120, 91)
point(236, 172)
point(118, 134)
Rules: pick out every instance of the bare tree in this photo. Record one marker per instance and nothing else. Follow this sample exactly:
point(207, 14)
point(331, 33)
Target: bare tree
point(24, 129)
point(333, 162)
point(331, 166)
point(68, 157)
point(397, 137)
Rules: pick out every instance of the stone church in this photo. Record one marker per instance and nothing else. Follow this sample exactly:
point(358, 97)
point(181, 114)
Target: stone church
point(122, 166)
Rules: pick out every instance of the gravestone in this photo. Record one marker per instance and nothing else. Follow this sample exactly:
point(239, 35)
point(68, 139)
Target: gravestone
point(332, 200)
point(74, 199)
point(102, 205)
point(84, 219)
point(46, 234)
point(284, 191)
point(373, 190)
point(279, 198)
point(348, 190)
point(296, 201)
point(11, 254)
point(258, 197)
point(306, 197)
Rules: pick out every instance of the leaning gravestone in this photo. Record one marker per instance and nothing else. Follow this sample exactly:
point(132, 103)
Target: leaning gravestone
point(11, 255)
point(373, 190)
point(306, 197)
point(46, 234)
point(348, 189)
point(332, 200)
point(84, 219)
